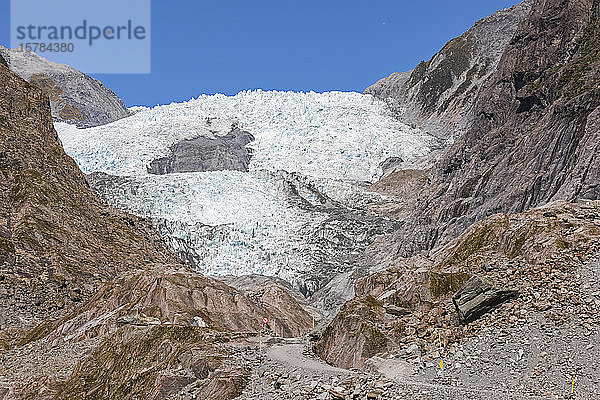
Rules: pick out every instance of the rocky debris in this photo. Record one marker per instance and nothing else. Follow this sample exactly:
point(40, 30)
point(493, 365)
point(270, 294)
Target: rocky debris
point(538, 251)
point(228, 152)
point(58, 240)
point(540, 343)
point(149, 333)
point(290, 371)
point(157, 362)
point(477, 297)
point(438, 96)
point(395, 310)
point(390, 165)
point(75, 97)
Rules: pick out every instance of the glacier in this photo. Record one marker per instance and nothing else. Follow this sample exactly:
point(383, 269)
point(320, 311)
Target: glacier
point(311, 150)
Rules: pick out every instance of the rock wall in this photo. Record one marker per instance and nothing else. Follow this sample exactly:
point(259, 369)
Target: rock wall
point(439, 94)
point(534, 135)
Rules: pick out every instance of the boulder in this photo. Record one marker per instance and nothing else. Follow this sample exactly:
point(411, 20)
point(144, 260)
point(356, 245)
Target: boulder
point(477, 297)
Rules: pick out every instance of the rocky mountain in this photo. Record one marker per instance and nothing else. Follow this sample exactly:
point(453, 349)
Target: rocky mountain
point(438, 96)
point(533, 137)
point(75, 97)
point(457, 258)
point(58, 239)
point(499, 242)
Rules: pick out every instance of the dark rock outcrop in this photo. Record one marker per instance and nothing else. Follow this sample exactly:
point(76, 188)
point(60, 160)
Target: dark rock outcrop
point(75, 97)
point(201, 154)
point(439, 94)
point(477, 297)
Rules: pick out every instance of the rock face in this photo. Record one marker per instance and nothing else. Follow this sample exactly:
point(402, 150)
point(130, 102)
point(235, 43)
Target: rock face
point(355, 335)
point(201, 154)
point(534, 136)
point(438, 95)
point(75, 97)
point(477, 297)
point(58, 240)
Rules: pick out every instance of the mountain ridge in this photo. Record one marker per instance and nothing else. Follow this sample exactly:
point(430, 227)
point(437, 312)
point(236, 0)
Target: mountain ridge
point(75, 97)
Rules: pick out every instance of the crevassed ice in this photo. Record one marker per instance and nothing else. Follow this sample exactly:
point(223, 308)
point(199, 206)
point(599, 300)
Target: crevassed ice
point(330, 137)
point(341, 135)
point(258, 230)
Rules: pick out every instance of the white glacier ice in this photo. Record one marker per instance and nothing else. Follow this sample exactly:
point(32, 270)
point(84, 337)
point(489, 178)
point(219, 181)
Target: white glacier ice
point(333, 139)
point(340, 135)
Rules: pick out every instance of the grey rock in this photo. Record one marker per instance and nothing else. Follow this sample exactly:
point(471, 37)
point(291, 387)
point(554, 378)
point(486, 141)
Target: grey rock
point(75, 97)
point(477, 297)
point(395, 310)
point(413, 350)
point(201, 154)
point(438, 95)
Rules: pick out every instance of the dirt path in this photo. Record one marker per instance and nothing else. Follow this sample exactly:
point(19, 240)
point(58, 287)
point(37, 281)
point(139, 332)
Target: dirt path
point(287, 370)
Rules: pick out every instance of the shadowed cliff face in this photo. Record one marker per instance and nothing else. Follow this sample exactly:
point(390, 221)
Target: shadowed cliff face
point(534, 137)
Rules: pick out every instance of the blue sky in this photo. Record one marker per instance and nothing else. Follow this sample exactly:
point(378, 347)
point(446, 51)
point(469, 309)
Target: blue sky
point(226, 46)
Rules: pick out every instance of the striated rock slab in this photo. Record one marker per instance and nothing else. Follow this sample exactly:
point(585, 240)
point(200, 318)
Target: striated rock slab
point(477, 297)
point(201, 154)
